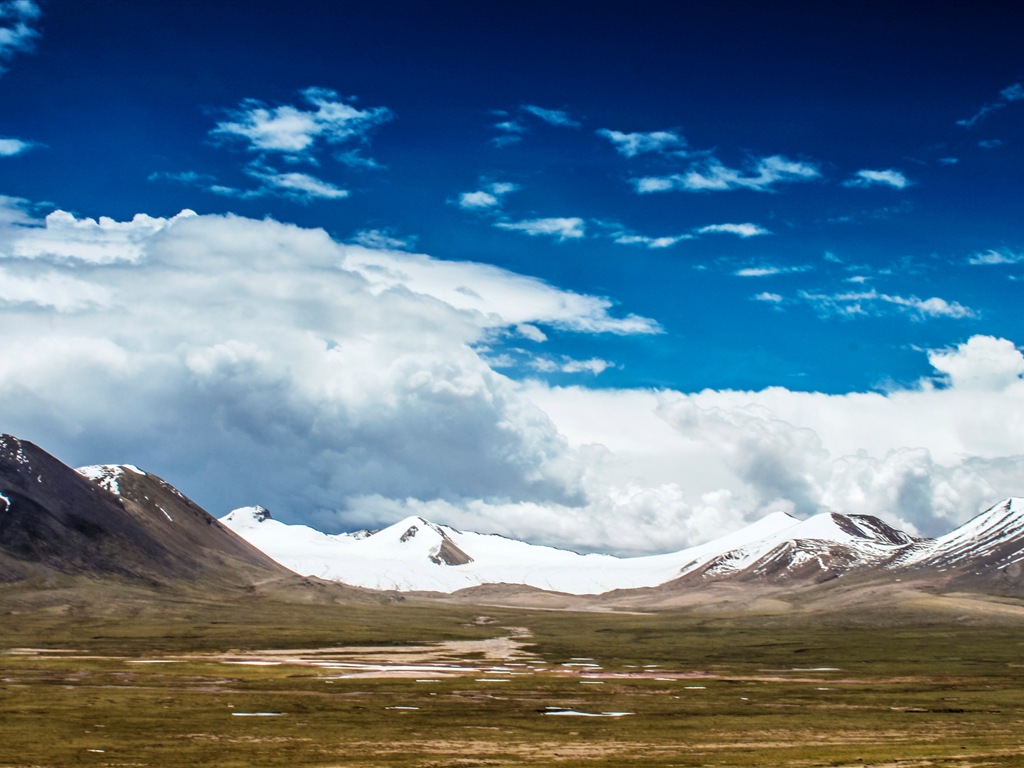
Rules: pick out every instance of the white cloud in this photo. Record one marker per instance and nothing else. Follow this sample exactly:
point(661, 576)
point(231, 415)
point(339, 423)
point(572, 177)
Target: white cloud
point(771, 298)
point(531, 332)
point(741, 230)
point(886, 178)
point(248, 360)
point(17, 33)
point(654, 184)
point(295, 131)
point(511, 132)
point(981, 363)
point(871, 303)
point(556, 117)
point(993, 257)
point(301, 186)
point(384, 239)
point(493, 297)
point(666, 241)
point(713, 176)
point(768, 271)
point(723, 456)
point(253, 361)
point(12, 147)
point(1008, 95)
point(491, 196)
point(594, 366)
point(51, 290)
point(561, 228)
point(90, 241)
point(633, 144)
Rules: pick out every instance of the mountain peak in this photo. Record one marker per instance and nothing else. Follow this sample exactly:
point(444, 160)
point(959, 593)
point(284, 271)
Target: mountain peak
point(247, 517)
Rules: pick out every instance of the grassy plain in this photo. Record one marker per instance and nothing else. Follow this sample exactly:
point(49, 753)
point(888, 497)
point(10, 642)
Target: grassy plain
point(153, 682)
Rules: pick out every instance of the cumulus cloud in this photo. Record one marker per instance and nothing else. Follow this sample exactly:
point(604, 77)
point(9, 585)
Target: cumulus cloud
point(735, 455)
point(90, 241)
point(639, 143)
point(981, 363)
point(1007, 96)
point(740, 230)
point(887, 178)
point(712, 175)
point(344, 385)
point(571, 228)
point(250, 358)
point(17, 28)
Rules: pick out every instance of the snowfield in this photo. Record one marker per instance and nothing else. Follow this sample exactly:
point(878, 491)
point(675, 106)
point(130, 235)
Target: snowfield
point(417, 555)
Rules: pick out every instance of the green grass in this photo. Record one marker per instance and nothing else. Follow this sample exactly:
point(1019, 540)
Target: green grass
point(934, 691)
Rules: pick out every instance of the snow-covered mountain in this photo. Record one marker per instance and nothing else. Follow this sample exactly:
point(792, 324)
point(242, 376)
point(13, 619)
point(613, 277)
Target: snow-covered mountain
point(415, 554)
point(994, 540)
point(118, 520)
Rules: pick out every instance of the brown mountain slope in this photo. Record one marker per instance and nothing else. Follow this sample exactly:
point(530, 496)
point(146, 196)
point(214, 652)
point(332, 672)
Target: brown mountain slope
point(52, 519)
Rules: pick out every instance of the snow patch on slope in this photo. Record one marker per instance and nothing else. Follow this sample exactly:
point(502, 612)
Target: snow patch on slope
point(108, 476)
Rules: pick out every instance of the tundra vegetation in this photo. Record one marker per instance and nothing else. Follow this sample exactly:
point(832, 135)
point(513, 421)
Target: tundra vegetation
point(132, 677)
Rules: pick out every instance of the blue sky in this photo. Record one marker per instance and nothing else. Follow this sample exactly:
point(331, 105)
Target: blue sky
point(679, 198)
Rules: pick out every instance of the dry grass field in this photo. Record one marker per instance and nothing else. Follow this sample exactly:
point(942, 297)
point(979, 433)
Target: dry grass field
point(136, 679)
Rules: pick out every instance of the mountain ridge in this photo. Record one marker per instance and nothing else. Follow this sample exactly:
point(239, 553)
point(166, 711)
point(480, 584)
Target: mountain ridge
point(112, 522)
point(778, 549)
point(118, 521)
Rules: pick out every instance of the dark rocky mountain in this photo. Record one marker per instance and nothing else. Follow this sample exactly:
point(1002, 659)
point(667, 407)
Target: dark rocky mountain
point(55, 520)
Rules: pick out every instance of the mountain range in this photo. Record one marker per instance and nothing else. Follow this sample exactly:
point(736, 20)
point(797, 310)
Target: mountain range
point(120, 522)
point(418, 555)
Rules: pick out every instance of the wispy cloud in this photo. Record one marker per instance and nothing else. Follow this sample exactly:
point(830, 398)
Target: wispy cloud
point(630, 238)
point(771, 298)
point(383, 239)
point(513, 125)
point(556, 117)
point(297, 132)
point(12, 147)
point(769, 271)
point(325, 127)
point(624, 236)
point(993, 257)
point(510, 130)
point(713, 176)
point(886, 178)
point(490, 196)
point(561, 228)
point(594, 366)
point(633, 144)
point(17, 28)
point(741, 230)
point(1007, 96)
point(872, 303)
point(301, 186)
